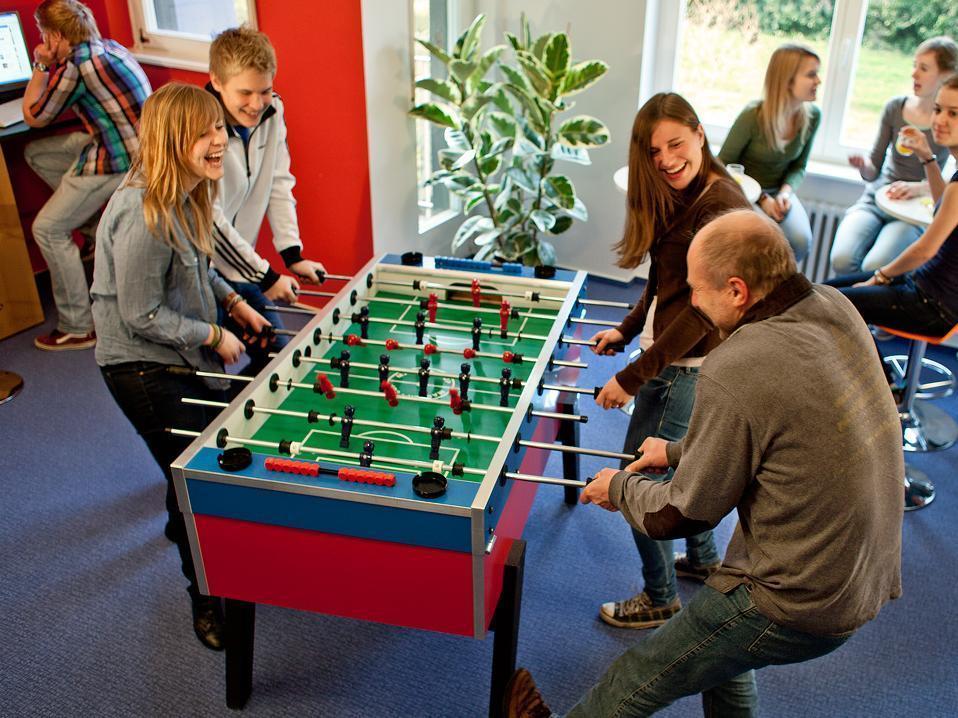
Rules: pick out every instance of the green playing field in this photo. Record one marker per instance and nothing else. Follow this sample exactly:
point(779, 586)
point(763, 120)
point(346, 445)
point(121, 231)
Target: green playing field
point(392, 439)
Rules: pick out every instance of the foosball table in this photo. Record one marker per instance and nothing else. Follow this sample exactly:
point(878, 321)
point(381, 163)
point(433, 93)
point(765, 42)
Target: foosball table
point(397, 440)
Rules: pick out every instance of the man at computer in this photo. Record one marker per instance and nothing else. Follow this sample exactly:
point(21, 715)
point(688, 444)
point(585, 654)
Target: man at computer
point(74, 68)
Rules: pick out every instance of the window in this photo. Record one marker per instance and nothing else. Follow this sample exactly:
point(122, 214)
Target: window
point(866, 50)
point(435, 21)
point(177, 33)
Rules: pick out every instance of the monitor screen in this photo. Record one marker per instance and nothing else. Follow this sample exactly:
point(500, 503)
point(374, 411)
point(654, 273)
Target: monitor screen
point(15, 65)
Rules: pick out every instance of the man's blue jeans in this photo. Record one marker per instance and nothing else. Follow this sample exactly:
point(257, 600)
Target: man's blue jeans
point(662, 408)
point(711, 647)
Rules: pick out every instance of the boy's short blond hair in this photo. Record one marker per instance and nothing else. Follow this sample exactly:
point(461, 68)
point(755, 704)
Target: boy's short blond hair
point(239, 49)
point(70, 18)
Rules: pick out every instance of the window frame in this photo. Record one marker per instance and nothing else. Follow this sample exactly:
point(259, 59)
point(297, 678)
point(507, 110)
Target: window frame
point(168, 48)
point(844, 44)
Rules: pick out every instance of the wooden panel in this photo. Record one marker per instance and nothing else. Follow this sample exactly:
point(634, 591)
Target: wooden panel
point(19, 303)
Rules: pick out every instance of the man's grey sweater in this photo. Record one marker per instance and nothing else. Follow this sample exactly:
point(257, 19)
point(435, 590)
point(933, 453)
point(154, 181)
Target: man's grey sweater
point(794, 426)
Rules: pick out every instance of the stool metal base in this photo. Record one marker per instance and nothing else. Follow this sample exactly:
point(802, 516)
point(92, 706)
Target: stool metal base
point(936, 381)
point(927, 428)
point(919, 491)
point(10, 385)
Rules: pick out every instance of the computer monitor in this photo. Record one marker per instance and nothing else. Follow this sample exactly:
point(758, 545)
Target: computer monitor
point(15, 65)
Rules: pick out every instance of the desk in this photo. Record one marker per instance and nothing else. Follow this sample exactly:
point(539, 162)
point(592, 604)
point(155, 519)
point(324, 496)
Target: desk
point(917, 210)
point(750, 187)
point(19, 302)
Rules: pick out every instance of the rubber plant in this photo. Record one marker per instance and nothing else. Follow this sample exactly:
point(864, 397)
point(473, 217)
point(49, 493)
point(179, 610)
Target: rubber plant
point(505, 140)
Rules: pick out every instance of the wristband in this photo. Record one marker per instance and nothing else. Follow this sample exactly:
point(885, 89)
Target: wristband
point(40, 67)
point(217, 336)
point(929, 160)
point(232, 301)
point(881, 277)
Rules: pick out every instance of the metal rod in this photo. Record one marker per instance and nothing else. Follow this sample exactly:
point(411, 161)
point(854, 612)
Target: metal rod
point(606, 303)
point(579, 450)
point(219, 375)
point(340, 277)
point(488, 331)
point(331, 452)
point(573, 364)
point(466, 290)
point(546, 480)
point(412, 347)
point(443, 305)
point(288, 310)
point(333, 420)
point(407, 370)
point(597, 322)
point(581, 418)
point(313, 293)
point(571, 389)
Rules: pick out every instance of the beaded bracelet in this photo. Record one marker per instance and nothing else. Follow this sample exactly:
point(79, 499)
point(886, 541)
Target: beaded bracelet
point(232, 301)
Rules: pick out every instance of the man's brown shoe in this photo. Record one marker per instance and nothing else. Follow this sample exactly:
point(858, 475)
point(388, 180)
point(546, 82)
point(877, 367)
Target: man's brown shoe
point(522, 699)
point(638, 612)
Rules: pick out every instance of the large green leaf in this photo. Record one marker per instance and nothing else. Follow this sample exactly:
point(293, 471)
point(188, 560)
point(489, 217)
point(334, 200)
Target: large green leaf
point(546, 252)
point(485, 252)
point(557, 56)
point(525, 32)
point(559, 189)
point(522, 179)
point(503, 197)
point(461, 69)
point(502, 124)
point(533, 137)
point(570, 154)
point(499, 146)
point(501, 99)
point(487, 60)
point(443, 88)
point(582, 75)
point(437, 52)
point(436, 113)
point(472, 106)
point(514, 41)
point(543, 220)
point(473, 200)
point(516, 78)
point(535, 71)
point(487, 237)
point(562, 224)
point(457, 140)
point(578, 210)
point(468, 42)
point(469, 228)
point(532, 113)
point(539, 47)
point(583, 131)
point(463, 159)
point(489, 165)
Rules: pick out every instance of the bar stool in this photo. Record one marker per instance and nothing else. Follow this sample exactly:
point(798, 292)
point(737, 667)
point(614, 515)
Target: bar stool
point(924, 427)
point(935, 382)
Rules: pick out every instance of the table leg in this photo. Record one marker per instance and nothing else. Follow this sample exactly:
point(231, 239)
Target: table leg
point(569, 435)
point(505, 624)
point(240, 625)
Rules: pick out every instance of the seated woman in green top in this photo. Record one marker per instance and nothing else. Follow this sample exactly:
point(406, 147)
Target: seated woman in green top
point(772, 138)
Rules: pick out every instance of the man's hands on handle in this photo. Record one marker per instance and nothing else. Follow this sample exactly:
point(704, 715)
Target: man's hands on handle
point(603, 339)
point(284, 289)
point(653, 460)
point(308, 270)
point(257, 328)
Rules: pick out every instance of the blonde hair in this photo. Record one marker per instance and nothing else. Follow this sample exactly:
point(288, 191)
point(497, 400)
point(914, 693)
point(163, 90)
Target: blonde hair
point(70, 18)
point(945, 51)
point(651, 202)
point(774, 117)
point(241, 48)
point(174, 118)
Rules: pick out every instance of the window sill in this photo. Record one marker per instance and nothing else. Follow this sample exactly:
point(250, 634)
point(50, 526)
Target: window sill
point(177, 63)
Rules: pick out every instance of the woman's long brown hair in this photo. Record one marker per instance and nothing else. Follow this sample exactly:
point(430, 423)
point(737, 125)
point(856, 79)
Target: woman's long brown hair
point(651, 203)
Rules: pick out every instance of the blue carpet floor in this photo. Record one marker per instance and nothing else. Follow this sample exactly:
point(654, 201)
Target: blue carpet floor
point(95, 620)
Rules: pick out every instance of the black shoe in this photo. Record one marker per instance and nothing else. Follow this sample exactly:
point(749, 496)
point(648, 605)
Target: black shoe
point(208, 622)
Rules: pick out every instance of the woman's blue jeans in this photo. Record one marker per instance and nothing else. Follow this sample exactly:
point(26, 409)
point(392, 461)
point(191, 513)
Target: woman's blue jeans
point(710, 647)
point(662, 409)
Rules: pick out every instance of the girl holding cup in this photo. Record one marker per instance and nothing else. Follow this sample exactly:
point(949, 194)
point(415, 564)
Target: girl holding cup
point(772, 138)
point(867, 238)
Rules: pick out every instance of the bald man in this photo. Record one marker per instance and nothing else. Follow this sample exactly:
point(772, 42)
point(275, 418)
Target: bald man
point(793, 427)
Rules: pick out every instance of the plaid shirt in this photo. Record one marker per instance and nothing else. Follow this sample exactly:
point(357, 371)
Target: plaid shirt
point(106, 87)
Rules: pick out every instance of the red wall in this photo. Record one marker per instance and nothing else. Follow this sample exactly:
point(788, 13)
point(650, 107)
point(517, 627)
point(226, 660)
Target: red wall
point(320, 52)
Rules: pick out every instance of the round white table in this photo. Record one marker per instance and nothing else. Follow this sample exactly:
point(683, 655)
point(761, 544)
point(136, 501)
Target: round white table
point(749, 185)
point(917, 210)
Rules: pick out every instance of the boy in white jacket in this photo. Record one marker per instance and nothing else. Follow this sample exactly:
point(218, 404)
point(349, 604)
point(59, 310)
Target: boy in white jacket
point(257, 181)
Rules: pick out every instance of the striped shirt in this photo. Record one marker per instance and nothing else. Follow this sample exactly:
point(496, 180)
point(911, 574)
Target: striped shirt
point(106, 87)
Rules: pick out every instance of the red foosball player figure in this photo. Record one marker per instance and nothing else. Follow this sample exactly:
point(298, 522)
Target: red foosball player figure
point(476, 292)
point(432, 305)
point(389, 391)
point(504, 311)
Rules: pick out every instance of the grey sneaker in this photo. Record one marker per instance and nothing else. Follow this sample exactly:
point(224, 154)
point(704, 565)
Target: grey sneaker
point(687, 569)
point(638, 612)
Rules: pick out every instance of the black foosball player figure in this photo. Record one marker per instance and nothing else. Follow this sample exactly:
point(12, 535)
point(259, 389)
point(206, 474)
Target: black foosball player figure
point(420, 327)
point(505, 383)
point(366, 455)
point(346, 425)
point(364, 322)
point(383, 368)
point(476, 332)
point(436, 435)
point(464, 376)
point(424, 372)
point(342, 363)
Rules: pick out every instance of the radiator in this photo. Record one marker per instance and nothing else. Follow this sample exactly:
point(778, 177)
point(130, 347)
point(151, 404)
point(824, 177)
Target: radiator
point(824, 218)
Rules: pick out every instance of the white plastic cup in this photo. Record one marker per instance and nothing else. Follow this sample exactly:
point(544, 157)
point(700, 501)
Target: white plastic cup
point(903, 149)
point(735, 169)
